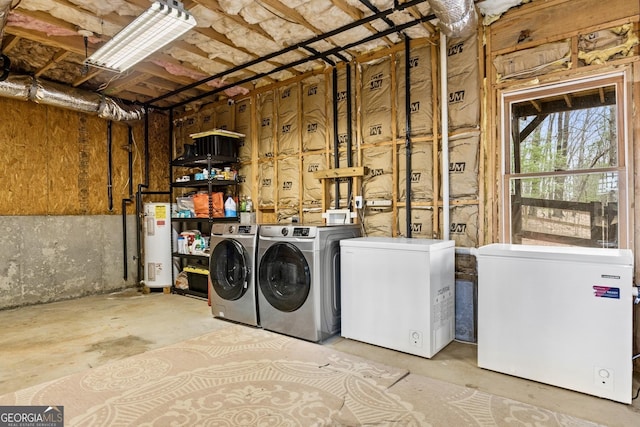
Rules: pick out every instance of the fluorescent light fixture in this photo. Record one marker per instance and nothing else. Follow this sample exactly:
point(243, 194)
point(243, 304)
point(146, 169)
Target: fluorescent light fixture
point(163, 22)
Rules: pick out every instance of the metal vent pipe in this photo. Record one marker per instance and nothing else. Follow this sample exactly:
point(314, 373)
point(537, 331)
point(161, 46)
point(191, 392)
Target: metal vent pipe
point(27, 88)
point(457, 18)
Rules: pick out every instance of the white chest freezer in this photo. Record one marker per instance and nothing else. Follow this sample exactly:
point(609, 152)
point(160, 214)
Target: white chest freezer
point(558, 315)
point(398, 293)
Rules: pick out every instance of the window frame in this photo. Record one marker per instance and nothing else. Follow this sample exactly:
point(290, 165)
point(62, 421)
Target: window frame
point(621, 81)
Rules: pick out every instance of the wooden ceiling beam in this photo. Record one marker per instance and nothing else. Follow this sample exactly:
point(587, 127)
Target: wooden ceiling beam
point(413, 10)
point(289, 13)
point(120, 84)
point(214, 6)
point(9, 43)
point(62, 54)
point(88, 76)
point(357, 14)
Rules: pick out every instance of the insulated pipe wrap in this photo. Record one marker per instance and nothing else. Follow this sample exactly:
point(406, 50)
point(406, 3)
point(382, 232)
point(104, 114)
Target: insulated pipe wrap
point(27, 88)
point(16, 87)
point(457, 17)
point(58, 95)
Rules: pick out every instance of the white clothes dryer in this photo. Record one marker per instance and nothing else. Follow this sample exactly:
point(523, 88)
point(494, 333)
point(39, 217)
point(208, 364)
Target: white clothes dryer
point(232, 265)
point(299, 278)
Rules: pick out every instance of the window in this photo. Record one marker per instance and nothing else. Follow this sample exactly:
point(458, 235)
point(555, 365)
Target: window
point(565, 173)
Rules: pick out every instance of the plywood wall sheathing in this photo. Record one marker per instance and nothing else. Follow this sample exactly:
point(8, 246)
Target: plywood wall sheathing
point(549, 21)
point(56, 160)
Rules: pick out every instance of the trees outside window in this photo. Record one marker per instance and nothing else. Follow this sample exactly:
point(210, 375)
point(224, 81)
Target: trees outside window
point(565, 171)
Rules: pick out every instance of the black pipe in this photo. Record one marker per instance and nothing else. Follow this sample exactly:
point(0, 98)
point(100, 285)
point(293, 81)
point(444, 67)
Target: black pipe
point(110, 165)
point(336, 151)
point(139, 206)
point(407, 141)
point(293, 47)
point(349, 136)
point(125, 202)
point(375, 10)
point(130, 159)
point(324, 58)
point(332, 51)
point(125, 267)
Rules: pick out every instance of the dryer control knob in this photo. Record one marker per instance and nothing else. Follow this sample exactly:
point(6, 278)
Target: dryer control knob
point(285, 231)
point(231, 228)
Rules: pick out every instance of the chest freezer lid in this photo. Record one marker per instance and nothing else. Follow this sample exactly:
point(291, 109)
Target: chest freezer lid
point(559, 253)
point(397, 243)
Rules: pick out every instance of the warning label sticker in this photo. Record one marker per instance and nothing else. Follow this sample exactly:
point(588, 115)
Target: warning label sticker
point(606, 292)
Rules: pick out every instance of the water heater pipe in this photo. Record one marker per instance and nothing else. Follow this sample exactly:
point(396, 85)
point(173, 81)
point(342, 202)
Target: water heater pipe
point(444, 119)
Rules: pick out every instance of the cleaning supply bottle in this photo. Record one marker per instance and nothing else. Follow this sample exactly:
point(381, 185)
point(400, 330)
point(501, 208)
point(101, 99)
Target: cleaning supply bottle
point(249, 205)
point(243, 204)
point(230, 207)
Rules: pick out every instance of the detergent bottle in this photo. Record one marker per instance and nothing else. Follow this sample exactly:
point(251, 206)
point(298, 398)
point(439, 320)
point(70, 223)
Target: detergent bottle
point(230, 207)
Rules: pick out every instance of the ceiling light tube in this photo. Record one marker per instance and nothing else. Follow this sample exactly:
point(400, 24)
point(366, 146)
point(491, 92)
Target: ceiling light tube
point(163, 22)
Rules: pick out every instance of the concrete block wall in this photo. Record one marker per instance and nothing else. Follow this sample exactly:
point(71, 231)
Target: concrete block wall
point(51, 258)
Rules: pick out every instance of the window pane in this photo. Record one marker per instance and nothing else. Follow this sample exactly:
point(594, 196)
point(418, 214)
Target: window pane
point(573, 131)
point(576, 210)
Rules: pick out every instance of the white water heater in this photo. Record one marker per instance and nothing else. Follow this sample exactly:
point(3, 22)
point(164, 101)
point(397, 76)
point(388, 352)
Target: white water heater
point(157, 245)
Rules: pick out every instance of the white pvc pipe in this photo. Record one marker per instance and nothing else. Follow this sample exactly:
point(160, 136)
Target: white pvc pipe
point(444, 116)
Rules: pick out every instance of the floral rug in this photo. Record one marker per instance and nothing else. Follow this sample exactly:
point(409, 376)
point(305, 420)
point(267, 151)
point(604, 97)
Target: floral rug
point(243, 376)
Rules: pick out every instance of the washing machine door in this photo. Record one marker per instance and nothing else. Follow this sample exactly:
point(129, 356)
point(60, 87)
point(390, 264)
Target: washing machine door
point(284, 277)
point(229, 269)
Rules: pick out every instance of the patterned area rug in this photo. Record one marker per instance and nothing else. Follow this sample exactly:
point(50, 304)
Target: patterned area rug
point(242, 376)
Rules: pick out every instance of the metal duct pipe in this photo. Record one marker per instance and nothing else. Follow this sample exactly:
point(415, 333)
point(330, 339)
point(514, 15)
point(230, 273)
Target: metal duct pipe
point(27, 88)
point(457, 17)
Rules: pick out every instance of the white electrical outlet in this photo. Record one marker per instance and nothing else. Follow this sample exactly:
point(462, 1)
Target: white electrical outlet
point(603, 377)
point(415, 338)
point(359, 202)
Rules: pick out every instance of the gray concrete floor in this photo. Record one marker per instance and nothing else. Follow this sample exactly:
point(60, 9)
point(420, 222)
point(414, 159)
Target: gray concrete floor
point(44, 342)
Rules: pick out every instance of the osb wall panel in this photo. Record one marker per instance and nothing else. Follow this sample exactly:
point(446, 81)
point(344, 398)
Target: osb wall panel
point(536, 24)
point(56, 160)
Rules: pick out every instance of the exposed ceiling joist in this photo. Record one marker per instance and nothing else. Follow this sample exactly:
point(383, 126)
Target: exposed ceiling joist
point(237, 42)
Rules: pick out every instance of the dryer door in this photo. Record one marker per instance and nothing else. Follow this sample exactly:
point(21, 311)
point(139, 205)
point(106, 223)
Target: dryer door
point(229, 270)
point(284, 277)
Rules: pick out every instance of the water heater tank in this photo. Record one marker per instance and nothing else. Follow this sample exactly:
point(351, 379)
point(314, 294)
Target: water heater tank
point(157, 245)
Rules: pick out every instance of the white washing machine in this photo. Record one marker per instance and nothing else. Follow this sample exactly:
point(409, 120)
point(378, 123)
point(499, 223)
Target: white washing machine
point(299, 278)
point(232, 266)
